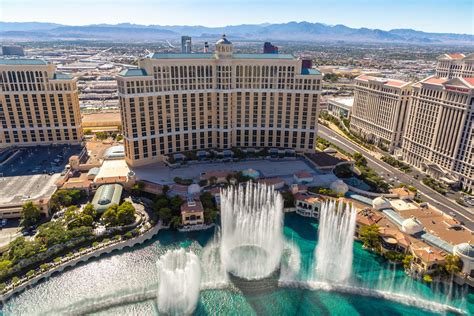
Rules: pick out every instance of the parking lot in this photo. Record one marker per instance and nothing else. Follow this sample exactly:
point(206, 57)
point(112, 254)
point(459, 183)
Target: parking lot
point(39, 160)
point(32, 174)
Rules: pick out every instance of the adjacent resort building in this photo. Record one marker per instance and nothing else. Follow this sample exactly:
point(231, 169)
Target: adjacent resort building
point(379, 109)
point(440, 130)
point(197, 101)
point(38, 105)
point(455, 65)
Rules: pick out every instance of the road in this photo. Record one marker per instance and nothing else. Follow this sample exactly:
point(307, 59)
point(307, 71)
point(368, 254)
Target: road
point(382, 168)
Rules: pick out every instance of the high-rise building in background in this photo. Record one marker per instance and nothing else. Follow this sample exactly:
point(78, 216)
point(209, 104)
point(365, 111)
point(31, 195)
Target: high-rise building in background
point(186, 45)
point(268, 48)
point(11, 50)
point(37, 104)
point(455, 65)
point(179, 102)
point(439, 136)
point(379, 110)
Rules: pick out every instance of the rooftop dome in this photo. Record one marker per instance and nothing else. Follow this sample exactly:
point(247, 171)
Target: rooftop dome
point(330, 150)
point(464, 249)
point(339, 186)
point(223, 40)
point(194, 189)
point(412, 226)
point(381, 203)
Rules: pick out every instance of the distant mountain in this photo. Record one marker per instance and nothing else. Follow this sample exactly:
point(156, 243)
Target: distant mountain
point(291, 31)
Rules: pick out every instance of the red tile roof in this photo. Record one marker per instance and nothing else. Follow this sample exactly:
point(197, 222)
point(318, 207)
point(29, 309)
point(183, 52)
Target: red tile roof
point(434, 80)
point(188, 207)
point(456, 56)
point(470, 81)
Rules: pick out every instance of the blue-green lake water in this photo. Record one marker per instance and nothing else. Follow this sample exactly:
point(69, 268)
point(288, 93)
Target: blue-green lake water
point(133, 271)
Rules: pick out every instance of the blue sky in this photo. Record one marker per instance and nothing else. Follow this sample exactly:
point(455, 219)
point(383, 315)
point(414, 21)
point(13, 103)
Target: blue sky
point(455, 16)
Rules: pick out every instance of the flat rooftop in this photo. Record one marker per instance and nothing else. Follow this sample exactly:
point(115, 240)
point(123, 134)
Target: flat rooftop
point(212, 56)
point(22, 61)
point(441, 225)
point(346, 101)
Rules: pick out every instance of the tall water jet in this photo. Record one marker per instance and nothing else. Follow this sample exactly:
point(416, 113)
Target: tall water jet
point(333, 253)
point(179, 274)
point(252, 230)
point(214, 274)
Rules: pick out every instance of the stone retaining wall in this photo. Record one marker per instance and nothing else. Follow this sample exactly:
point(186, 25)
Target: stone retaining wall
point(84, 258)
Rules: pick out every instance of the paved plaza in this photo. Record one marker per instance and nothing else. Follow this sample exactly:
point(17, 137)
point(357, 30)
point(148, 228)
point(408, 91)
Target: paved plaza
point(159, 173)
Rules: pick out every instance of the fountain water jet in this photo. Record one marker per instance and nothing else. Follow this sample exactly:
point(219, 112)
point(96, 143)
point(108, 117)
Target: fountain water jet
point(252, 230)
point(214, 274)
point(333, 253)
point(179, 274)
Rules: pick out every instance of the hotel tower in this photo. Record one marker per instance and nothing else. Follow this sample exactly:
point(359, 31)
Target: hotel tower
point(179, 102)
point(38, 106)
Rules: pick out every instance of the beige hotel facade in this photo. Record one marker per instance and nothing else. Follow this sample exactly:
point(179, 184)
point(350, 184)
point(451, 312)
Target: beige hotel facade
point(455, 66)
point(439, 136)
point(379, 109)
point(180, 102)
point(38, 106)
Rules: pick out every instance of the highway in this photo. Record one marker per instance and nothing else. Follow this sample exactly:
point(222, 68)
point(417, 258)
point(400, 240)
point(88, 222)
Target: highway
point(432, 197)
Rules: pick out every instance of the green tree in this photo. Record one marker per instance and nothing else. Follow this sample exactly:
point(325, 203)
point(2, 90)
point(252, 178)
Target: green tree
point(394, 256)
point(161, 203)
point(359, 159)
point(87, 131)
point(453, 264)
point(5, 265)
point(210, 215)
point(30, 273)
point(109, 217)
point(119, 215)
point(30, 215)
point(427, 278)
point(137, 188)
point(126, 213)
point(207, 200)
point(165, 214)
point(407, 261)
point(288, 199)
point(89, 210)
point(370, 236)
point(165, 189)
point(175, 222)
point(101, 135)
point(176, 203)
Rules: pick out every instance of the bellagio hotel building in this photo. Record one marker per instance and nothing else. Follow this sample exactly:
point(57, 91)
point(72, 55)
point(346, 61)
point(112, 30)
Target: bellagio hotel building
point(38, 106)
point(181, 102)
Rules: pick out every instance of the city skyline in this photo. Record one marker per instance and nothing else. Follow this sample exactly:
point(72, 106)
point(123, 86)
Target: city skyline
point(359, 13)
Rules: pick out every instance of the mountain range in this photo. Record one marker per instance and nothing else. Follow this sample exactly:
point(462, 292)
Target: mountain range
point(291, 31)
